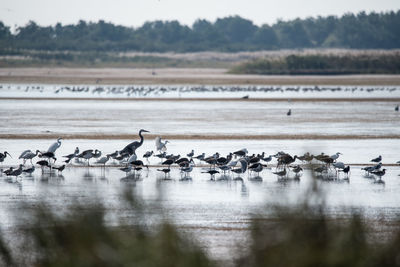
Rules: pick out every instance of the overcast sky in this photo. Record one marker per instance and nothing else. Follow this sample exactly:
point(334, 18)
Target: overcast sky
point(136, 12)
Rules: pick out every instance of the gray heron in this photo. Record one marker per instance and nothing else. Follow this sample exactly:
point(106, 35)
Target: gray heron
point(131, 148)
point(28, 155)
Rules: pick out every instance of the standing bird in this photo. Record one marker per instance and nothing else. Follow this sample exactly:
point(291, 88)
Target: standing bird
point(289, 112)
point(55, 146)
point(103, 160)
point(191, 154)
point(160, 146)
point(3, 156)
point(71, 156)
point(17, 172)
point(335, 156)
point(378, 159)
point(60, 168)
point(131, 148)
point(27, 154)
point(30, 170)
point(147, 155)
point(212, 172)
point(396, 108)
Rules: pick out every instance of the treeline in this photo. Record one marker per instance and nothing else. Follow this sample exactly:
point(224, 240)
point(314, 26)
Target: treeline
point(323, 64)
point(361, 31)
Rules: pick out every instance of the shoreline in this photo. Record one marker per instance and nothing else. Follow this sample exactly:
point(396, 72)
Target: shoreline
point(180, 76)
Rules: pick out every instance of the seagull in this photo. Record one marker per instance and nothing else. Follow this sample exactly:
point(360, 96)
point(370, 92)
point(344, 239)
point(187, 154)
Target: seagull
point(131, 148)
point(55, 146)
point(161, 147)
point(378, 159)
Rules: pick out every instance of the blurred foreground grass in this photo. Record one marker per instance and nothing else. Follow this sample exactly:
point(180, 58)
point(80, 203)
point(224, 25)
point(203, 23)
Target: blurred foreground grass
point(296, 236)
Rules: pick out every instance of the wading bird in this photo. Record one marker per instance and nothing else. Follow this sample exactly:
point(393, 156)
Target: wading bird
point(55, 146)
point(160, 146)
point(131, 148)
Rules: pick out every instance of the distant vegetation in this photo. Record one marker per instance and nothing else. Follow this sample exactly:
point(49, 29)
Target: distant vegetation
point(323, 64)
point(230, 34)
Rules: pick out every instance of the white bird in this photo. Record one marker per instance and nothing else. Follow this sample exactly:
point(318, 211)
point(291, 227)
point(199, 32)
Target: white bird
point(103, 160)
point(55, 146)
point(132, 158)
point(335, 156)
point(160, 145)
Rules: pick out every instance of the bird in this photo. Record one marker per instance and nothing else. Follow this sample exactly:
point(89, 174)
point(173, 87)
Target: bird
point(160, 146)
point(346, 170)
point(48, 155)
point(17, 172)
point(4, 155)
point(131, 148)
point(212, 172)
point(378, 159)
point(335, 156)
point(191, 154)
point(147, 155)
point(187, 170)
point(60, 168)
point(241, 153)
point(29, 170)
point(200, 157)
point(165, 171)
point(43, 163)
point(242, 168)
point(379, 173)
point(297, 169)
point(168, 162)
point(126, 169)
point(280, 173)
point(28, 154)
point(55, 146)
point(8, 171)
point(289, 112)
point(87, 154)
point(396, 108)
point(103, 160)
point(257, 167)
point(113, 155)
point(71, 156)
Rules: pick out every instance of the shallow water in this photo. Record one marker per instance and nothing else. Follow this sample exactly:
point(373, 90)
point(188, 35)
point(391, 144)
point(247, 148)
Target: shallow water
point(89, 117)
point(217, 213)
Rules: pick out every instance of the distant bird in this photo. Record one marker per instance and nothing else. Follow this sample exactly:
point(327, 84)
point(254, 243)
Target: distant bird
point(132, 158)
point(87, 155)
point(378, 159)
point(187, 170)
point(289, 112)
point(200, 157)
point(168, 162)
point(43, 163)
point(131, 148)
point(55, 146)
point(396, 108)
point(160, 146)
point(48, 156)
point(8, 171)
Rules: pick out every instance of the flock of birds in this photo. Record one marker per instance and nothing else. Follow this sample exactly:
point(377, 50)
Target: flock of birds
point(143, 91)
point(234, 164)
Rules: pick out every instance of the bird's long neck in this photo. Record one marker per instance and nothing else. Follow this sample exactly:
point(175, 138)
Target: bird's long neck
point(141, 137)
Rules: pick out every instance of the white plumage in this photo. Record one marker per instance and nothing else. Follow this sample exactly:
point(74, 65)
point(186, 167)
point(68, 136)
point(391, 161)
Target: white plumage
point(55, 146)
point(162, 147)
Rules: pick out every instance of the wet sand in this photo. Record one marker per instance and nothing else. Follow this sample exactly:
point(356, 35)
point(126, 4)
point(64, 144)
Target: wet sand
point(178, 76)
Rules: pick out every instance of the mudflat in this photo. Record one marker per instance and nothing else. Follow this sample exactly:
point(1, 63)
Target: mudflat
point(214, 76)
